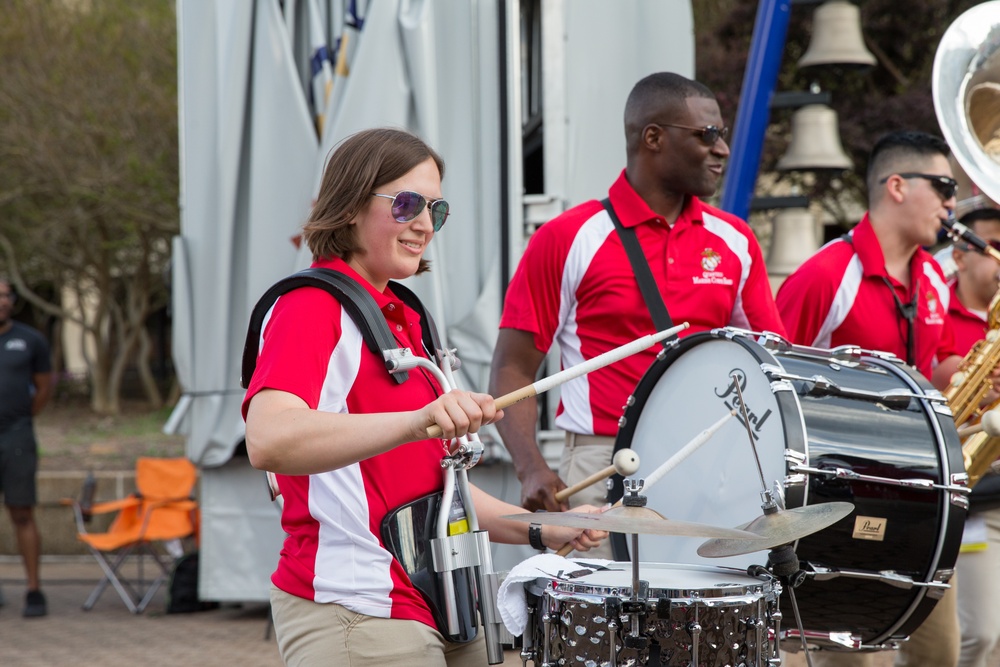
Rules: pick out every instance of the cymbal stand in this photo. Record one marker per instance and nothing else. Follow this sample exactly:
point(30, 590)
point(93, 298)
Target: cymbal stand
point(635, 606)
point(782, 562)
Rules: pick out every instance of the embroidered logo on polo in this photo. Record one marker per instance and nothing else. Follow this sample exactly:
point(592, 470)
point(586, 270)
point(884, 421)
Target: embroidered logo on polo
point(710, 261)
point(16, 345)
point(934, 314)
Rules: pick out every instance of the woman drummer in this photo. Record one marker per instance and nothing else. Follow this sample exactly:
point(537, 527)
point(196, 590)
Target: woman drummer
point(347, 442)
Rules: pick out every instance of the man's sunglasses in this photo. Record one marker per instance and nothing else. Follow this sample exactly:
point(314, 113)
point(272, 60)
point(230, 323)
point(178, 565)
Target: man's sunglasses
point(406, 205)
point(945, 186)
point(708, 134)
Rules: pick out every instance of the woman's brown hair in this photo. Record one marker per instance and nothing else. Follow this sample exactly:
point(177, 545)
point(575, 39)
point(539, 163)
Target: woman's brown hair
point(360, 165)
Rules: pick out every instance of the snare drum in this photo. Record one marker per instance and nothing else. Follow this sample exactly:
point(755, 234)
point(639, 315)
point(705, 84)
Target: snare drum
point(684, 615)
point(847, 425)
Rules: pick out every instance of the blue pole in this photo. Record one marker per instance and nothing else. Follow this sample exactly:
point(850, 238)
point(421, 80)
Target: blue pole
point(759, 80)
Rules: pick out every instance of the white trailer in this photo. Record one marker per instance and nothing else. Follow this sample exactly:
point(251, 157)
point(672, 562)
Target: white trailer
point(524, 100)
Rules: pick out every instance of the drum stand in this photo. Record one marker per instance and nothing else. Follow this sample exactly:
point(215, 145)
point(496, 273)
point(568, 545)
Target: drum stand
point(782, 563)
point(472, 547)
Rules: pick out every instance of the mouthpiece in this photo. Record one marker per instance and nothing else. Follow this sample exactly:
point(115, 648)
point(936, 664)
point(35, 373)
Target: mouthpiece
point(959, 232)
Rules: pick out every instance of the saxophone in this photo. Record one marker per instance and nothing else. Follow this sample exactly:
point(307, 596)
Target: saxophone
point(971, 385)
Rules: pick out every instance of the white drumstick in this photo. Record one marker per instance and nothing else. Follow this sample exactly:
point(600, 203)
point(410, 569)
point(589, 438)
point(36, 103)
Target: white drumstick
point(625, 463)
point(685, 451)
point(671, 463)
point(556, 379)
point(988, 423)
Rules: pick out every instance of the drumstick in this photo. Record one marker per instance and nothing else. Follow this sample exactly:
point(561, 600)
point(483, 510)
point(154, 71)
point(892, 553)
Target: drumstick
point(625, 463)
point(556, 379)
point(989, 422)
point(670, 463)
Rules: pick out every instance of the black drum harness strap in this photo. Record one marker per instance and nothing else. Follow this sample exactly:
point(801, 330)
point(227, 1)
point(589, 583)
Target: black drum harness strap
point(640, 267)
point(452, 572)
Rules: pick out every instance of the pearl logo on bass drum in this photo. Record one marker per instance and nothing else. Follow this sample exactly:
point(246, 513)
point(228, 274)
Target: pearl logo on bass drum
point(730, 398)
point(869, 528)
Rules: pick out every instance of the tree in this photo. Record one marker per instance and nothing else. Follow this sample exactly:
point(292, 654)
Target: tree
point(88, 169)
point(895, 94)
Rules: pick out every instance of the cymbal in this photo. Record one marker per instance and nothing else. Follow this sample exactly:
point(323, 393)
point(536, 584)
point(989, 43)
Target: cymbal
point(638, 520)
point(781, 527)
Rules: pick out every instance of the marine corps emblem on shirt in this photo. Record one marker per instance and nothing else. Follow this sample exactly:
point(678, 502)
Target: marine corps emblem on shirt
point(934, 315)
point(710, 259)
point(710, 262)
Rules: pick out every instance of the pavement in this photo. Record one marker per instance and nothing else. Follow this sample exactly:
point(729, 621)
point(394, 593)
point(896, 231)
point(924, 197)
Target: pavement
point(110, 636)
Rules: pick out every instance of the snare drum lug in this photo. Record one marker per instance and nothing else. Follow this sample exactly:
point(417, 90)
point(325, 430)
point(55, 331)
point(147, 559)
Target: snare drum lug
point(794, 481)
point(781, 385)
point(793, 456)
point(942, 409)
point(959, 500)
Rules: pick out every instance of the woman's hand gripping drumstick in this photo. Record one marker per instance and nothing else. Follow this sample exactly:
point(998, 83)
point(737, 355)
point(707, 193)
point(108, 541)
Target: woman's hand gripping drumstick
point(600, 361)
point(669, 464)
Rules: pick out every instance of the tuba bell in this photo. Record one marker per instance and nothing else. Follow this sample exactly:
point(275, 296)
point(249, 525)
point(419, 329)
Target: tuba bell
point(966, 91)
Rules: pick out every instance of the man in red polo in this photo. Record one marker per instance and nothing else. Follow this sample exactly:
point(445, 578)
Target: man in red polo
point(576, 286)
point(879, 289)
point(978, 587)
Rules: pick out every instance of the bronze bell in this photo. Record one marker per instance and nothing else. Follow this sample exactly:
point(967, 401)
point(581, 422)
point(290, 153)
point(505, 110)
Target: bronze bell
point(815, 141)
point(794, 238)
point(836, 37)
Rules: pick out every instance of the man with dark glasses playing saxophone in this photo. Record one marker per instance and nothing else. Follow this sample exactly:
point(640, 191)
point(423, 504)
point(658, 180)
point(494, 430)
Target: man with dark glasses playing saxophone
point(879, 289)
point(978, 588)
point(577, 285)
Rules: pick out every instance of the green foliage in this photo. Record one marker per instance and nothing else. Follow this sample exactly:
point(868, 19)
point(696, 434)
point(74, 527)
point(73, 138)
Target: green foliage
point(89, 163)
point(895, 94)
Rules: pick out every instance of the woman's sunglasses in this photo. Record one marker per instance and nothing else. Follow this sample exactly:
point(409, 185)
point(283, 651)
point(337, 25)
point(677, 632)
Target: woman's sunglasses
point(708, 134)
point(406, 205)
point(945, 186)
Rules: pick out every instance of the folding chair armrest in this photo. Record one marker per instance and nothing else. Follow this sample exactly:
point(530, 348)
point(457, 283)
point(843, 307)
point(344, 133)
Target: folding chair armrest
point(114, 505)
point(175, 503)
point(74, 505)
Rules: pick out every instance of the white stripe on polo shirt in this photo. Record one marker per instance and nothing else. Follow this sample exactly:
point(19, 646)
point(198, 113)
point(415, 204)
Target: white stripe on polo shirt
point(939, 285)
point(843, 301)
point(338, 502)
point(577, 415)
point(740, 246)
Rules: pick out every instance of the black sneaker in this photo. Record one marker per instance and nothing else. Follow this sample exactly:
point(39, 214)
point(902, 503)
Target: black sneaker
point(34, 604)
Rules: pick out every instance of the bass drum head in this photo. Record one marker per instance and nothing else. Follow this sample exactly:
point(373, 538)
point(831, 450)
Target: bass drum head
point(683, 393)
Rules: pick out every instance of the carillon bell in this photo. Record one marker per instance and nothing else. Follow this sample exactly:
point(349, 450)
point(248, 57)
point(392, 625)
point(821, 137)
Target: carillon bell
point(794, 238)
point(836, 37)
point(815, 143)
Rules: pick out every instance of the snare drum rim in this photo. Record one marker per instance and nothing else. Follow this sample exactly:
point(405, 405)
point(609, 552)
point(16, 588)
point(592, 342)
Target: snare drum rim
point(741, 589)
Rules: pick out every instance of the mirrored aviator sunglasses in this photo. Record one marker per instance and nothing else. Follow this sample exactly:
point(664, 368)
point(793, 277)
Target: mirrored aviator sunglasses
point(407, 205)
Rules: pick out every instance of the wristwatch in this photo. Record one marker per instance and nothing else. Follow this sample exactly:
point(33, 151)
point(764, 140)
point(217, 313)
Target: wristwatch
point(535, 536)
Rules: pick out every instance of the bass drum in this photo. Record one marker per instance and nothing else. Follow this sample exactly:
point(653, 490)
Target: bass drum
point(841, 425)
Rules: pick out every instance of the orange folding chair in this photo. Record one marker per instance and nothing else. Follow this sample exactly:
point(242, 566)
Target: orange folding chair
point(162, 509)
